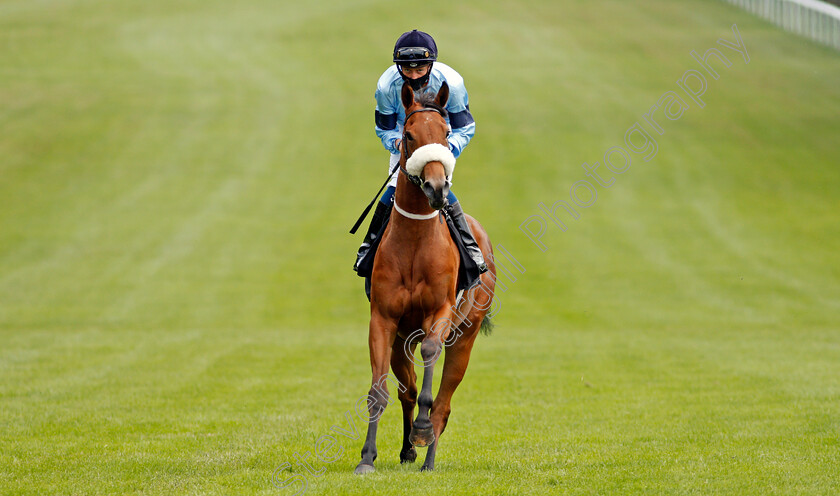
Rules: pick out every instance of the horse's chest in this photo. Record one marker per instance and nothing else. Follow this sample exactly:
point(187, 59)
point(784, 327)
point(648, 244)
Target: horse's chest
point(417, 298)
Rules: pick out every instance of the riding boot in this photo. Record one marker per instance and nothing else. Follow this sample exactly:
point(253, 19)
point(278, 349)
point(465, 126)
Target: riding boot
point(457, 215)
point(379, 216)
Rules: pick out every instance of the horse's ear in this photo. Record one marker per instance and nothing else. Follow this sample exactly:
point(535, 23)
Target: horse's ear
point(442, 95)
point(407, 95)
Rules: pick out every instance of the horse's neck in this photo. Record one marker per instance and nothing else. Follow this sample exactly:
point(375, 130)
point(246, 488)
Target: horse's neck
point(412, 199)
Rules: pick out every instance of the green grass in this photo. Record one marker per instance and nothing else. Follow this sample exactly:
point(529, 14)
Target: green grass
point(177, 310)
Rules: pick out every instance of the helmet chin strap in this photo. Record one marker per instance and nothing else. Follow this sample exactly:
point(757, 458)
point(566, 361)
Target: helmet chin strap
point(418, 83)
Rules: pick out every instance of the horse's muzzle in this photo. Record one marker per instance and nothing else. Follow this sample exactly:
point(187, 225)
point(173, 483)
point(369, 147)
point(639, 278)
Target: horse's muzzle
point(436, 193)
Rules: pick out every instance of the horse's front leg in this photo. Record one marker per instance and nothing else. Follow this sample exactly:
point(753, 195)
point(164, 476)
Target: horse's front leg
point(422, 432)
point(381, 338)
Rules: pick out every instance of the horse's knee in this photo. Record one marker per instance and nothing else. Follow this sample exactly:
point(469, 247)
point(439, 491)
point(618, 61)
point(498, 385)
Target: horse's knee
point(446, 417)
point(442, 412)
point(377, 400)
point(429, 350)
point(440, 417)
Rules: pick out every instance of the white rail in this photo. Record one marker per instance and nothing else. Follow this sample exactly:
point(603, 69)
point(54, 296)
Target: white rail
point(817, 20)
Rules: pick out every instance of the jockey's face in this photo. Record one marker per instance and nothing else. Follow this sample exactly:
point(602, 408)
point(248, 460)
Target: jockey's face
point(415, 72)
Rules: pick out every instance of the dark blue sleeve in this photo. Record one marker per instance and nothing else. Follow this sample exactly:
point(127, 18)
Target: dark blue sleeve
point(386, 122)
point(461, 119)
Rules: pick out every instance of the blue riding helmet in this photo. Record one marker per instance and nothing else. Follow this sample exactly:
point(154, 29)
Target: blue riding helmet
point(415, 49)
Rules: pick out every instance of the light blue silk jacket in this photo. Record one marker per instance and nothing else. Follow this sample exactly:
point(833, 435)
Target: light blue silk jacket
point(390, 114)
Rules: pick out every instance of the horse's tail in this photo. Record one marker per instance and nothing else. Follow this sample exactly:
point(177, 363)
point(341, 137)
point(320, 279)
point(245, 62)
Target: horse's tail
point(487, 326)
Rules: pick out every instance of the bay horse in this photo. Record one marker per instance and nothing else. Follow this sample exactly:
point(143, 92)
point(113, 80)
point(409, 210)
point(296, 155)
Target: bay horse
point(413, 288)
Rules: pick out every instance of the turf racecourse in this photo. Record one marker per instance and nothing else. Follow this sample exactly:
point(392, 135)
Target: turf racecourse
point(177, 310)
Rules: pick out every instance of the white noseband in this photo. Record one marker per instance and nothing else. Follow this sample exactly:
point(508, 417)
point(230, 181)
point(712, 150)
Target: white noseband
point(434, 152)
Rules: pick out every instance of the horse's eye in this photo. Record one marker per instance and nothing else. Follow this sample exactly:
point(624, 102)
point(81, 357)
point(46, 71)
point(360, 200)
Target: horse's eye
point(409, 137)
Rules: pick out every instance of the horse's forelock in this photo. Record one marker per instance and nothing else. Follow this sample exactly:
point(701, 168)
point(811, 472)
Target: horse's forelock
point(427, 100)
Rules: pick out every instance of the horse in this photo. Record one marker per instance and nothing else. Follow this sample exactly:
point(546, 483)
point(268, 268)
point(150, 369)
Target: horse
point(413, 289)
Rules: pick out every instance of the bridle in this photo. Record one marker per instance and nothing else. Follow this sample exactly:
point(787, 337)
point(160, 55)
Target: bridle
point(416, 180)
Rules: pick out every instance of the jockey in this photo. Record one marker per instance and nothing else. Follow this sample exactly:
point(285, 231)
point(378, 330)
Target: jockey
point(415, 63)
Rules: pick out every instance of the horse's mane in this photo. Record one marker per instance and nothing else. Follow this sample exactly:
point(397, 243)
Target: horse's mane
point(427, 100)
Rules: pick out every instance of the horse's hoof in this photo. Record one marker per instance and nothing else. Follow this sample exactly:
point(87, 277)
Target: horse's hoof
point(422, 437)
point(408, 456)
point(363, 469)
point(426, 468)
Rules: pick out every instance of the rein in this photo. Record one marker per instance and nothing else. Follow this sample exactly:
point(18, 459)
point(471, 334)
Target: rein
point(404, 156)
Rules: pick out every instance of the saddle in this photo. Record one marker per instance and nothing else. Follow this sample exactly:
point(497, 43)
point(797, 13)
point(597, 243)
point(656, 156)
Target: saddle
point(468, 272)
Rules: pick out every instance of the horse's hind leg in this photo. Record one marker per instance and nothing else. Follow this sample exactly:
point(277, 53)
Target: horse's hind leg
point(404, 371)
point(454, 368)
